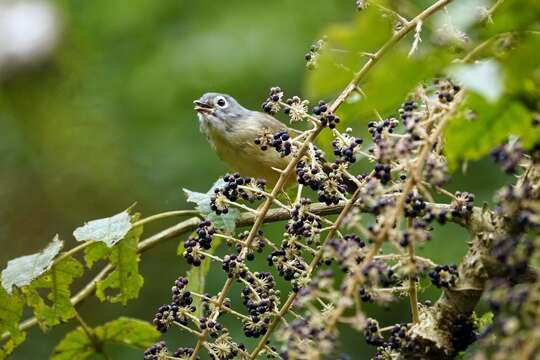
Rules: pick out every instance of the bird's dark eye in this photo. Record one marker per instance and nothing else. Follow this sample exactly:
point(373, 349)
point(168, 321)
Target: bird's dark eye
point(221, 102)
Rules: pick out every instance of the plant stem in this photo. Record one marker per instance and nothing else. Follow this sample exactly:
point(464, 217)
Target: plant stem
point(415, 175)
point(165, 215)
point(189, 225)
point(413, 298)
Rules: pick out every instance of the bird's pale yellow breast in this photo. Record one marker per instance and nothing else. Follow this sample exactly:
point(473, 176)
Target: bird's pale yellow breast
point(238, 150)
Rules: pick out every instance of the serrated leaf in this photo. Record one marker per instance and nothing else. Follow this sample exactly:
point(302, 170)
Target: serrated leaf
point(467, 139)
point(197, 276)
point(107, 230)
point(125, 277)
point(23, 270)
point(128, 331)
point(57, 280)
point(124, 331)
point(75, 345)
point(11, 310)
point(95, 252)
point(226, 222)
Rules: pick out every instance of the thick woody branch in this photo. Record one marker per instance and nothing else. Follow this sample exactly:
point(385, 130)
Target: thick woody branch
point(437, 323)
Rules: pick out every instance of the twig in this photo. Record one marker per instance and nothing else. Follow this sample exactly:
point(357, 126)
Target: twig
point(412, 279)
point(189, 225)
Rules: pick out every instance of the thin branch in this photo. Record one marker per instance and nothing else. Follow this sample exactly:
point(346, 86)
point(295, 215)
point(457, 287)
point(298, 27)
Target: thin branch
point(357, 273)
point(186, 226)
point(412, 279)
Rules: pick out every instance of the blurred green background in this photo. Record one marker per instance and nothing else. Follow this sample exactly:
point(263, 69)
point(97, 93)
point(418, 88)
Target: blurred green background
point(106, 120)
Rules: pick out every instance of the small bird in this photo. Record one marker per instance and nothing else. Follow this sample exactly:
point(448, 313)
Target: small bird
point(232, 129)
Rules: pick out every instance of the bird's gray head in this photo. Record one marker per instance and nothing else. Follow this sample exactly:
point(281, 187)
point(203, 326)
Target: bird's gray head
point(219, 111)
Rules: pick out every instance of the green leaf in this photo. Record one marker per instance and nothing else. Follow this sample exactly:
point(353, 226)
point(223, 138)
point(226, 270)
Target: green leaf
point(108, 230)
point(123, 331)
point(95, 252)
point(467, 139)
point(342, 55)
point(11, 310)
point(57, 280)
point(75, 345)
point(226, 222)
point(512, 114)
point(23, 270)
point(388, 82)
point(125, 277)
point(485, 320)
point(128, 331)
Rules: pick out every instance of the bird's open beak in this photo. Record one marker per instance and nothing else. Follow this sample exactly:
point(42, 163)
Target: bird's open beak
point(202, 107)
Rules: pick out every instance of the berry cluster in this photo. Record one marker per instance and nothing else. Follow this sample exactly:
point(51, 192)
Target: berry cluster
point(417, 233)
point(518, 204)
point(377, 129)
point(260, 299)
point(345, 147)
point(282, 143)
point(302, 223)
point(508, 156)
point(399, 339)
point(332, 190)
point(183, 353)
point(383, 173)
point(462, 205)
point(234, 266)
point(236, 187)
point(212, 326)
point(330, 186)
point(372, 333)
point(202, 239)
point(287, 260)
point(513, 253)
point(327, 117)
point(305, 338)
point(439, 215)
point(415, 205)
point(156, 351)
point(311, 175)
point(365, 295)
point(166, 316)
point(313, 54)
point(436, 170)
point(444, 276)
point(257, 245)
point(446, 90)
point(178, 310)
point(411, 117)
point(180, 295)
point(408, 114)
point(378, 273)
point(159, 351)
point(387, 147)
point(272, 104)
point(347, 252)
